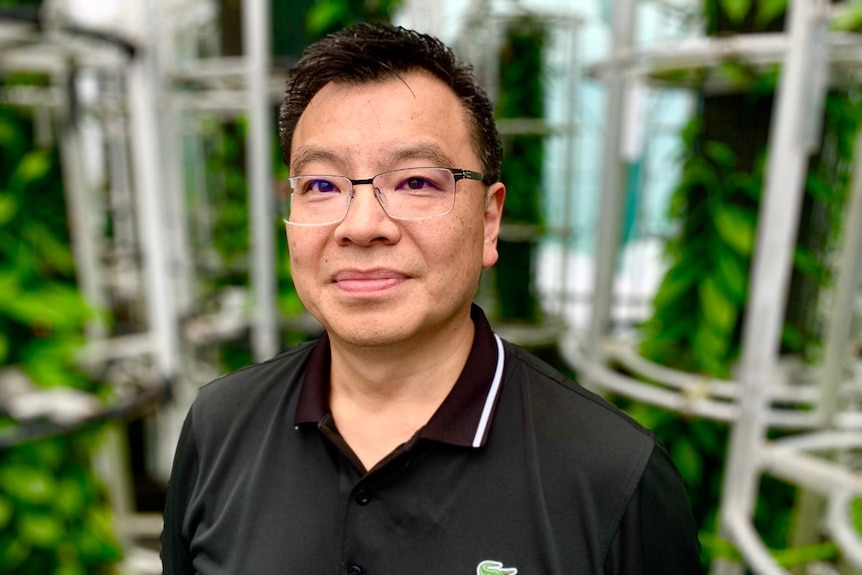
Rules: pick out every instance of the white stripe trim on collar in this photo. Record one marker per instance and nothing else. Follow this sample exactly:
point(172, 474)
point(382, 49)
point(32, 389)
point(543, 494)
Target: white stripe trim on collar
point(492, 395)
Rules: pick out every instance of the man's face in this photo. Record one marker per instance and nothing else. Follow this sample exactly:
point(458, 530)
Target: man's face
point(371, 280)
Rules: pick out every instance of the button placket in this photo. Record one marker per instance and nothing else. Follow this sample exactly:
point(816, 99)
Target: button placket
point(363, 497)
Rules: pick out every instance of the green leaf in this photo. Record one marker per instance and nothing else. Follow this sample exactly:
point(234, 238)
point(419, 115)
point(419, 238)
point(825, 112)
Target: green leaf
point(708, 436)
point(34, 166)
point(40, 529)
point(10, 286)
point(68, 568)
point(71, 497)
point(13, 553)
point(323, 15)
point(792, 338)
point(736, 10)
point(732, 274)
point(55, 373)
point(688, 460)
point(650, 416)
point(53, 305)
point(718, 310)
point(808, 264)
point(53, 252)
point(6, 511)
point(95, 542)
point(850, 18)
point(720, 153)
point(769, 10)
point(737, 228)
point(26, 484)
point(817, 187)
point(735, 74)
point(719, 547)
point(8, 207)
point(710, 349)
point(794, 556)
point(691, 132)
point(47, 454)
point(680, 279)
point(856, 514)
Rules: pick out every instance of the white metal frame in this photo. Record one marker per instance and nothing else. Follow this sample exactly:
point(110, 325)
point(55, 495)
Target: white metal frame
point(748, 401)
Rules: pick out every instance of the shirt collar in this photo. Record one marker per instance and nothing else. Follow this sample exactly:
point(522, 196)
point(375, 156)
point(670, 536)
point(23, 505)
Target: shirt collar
point(463, 418)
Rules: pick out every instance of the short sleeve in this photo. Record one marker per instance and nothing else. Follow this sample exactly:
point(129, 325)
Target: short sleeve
point(657, 534)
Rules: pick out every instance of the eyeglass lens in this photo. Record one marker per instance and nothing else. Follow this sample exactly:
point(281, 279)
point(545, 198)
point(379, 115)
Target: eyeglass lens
point(412, 193)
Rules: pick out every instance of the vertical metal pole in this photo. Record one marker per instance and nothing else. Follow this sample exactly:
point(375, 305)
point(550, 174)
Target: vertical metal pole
point(143, 101)
point(770, 277)
point(572, 133)
point(613, 182)
point(256, 46)
point(82, 209)
point(810, 505)
point(119, 175)
point(174, 197)
point(848, 270)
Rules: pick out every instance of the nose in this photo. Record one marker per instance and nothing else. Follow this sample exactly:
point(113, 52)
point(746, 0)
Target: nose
point(366, 221)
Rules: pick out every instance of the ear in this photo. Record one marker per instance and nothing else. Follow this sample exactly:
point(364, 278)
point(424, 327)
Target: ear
point(493, 215)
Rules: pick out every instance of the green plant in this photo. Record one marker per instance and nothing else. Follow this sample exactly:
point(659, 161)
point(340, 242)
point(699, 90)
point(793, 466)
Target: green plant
point(325, 16)
point(697, 310)
point(54, 517)
point(522, 95)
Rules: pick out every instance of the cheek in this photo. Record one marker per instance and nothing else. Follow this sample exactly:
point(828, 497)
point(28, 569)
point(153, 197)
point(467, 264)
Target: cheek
point(301, 256)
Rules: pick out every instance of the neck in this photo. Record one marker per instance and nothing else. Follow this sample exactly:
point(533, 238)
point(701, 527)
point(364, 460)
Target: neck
point(420, 370)
point(381, 396)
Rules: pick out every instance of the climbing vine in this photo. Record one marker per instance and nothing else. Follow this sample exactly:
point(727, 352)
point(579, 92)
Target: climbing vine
point(698, 308)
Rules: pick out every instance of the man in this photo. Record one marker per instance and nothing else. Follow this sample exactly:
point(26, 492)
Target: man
point(409, 438)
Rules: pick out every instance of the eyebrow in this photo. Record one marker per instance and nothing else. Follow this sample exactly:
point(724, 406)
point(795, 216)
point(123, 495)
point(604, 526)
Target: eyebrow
point(427, 151)
point(422, 151)
point(309, 154)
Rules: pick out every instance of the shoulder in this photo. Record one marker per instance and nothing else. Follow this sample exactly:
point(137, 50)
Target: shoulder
point(584, 438)
point(568, 404)
point(249, 388)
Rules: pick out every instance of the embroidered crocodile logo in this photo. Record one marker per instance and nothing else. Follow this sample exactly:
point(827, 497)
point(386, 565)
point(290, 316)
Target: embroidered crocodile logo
point(495, 568)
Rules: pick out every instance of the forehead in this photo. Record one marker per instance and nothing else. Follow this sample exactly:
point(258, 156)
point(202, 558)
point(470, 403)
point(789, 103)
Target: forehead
point(379, 125)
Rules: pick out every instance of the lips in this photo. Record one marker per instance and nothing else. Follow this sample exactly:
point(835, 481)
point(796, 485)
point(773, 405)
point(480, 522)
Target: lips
point(368, 281)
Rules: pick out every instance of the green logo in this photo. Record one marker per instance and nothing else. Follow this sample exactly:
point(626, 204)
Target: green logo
point(495, 568)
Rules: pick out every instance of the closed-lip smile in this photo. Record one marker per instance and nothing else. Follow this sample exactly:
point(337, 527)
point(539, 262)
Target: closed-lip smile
point(367, 281)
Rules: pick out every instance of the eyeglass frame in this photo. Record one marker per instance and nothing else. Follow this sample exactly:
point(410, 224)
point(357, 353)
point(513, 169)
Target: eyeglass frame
point(458, 174)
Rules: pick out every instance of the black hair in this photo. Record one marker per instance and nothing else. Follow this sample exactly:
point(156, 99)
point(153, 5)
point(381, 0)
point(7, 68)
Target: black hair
point(366, 53)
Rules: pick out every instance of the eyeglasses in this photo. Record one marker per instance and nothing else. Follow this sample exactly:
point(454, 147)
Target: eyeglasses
point(407, 194)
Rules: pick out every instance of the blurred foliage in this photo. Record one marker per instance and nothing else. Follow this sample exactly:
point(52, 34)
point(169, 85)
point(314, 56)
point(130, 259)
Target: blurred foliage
point(54, 518)
point(744, 15)
point(327, 16)
point(521, 96)
point(850, 18)
point(699, 305)
point(701, 299)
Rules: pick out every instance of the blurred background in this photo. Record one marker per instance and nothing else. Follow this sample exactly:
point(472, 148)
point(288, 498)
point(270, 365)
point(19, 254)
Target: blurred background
point(683, 235)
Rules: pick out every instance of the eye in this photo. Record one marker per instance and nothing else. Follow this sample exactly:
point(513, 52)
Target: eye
point(424, 181)
point(318, 186)
point(416, 183)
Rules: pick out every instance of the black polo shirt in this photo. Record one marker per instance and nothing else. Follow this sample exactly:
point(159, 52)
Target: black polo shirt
point(519, 471)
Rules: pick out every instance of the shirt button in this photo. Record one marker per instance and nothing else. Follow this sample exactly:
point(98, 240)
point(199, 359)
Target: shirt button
point(363, 497)
point(354, 570)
